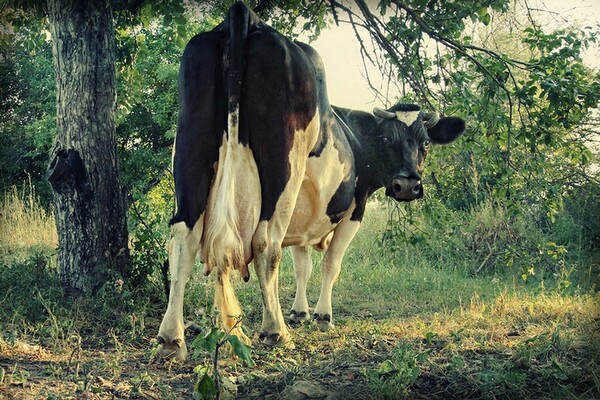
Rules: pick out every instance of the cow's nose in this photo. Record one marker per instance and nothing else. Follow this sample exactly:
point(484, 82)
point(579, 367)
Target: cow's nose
point(405, 189)
point(417, 188)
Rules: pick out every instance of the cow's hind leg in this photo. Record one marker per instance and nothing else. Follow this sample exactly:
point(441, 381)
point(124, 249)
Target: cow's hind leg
point(302, 271)
point(266, 245)
point(282, 124)
point(183, 247)
point(269, 235)
point(267, 256)
point(330, 270)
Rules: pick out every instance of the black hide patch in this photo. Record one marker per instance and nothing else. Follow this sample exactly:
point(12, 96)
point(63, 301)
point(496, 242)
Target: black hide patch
point(340, 201)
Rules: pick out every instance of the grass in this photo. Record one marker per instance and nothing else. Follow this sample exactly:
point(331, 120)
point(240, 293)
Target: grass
point(25, 225)
point(417, 316)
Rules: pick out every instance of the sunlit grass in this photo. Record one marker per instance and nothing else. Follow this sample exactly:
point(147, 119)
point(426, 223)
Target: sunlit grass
point(416, 320)
point(24, 222)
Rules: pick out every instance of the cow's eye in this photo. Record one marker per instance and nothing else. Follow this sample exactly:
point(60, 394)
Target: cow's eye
point(426, 144)
point(384, 139)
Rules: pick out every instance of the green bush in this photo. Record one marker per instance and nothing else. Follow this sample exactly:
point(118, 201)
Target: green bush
point(149, 231)
point(579, 223)
point(490, 239)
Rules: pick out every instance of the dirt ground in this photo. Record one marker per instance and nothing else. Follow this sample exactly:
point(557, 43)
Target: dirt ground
point(31, 371)
point(551, 353)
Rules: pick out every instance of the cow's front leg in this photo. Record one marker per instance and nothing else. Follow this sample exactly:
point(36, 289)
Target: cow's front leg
point(302, 271)
point(183, 246)
point(267, 256)
point(330, 270)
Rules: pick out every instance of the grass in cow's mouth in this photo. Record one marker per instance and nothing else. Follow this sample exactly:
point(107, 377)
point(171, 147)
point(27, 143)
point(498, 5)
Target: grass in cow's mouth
point(436, 309)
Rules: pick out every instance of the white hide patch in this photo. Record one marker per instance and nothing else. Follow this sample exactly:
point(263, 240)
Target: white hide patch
point(286, 205)
point(310, 222)
point(408, 117)
point(233, 205)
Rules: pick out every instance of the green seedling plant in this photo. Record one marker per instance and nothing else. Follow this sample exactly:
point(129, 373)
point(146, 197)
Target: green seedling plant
point(207, 386)
point(394, 375)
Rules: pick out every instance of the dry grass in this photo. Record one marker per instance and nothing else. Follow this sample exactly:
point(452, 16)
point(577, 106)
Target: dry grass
point(24, 223)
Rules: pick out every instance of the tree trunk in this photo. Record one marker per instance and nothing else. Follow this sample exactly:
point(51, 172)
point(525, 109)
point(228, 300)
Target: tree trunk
point(88, 199)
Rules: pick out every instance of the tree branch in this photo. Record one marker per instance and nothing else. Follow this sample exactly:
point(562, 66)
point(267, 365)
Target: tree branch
point(132, 6)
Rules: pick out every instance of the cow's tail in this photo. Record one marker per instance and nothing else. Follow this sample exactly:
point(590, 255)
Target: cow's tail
point(225, 244)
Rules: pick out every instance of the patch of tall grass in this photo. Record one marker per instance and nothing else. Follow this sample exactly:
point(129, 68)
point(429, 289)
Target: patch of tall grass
point(32, 299)
point(24, 223)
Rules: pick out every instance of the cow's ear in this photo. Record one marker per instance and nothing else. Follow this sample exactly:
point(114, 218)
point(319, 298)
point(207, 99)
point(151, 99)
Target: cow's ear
point(446, 130)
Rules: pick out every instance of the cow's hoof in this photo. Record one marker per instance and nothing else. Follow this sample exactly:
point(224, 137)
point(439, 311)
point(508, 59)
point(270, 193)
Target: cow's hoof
point(297, 317)
point(172, 348)
point(323, 321)
point(275, 340)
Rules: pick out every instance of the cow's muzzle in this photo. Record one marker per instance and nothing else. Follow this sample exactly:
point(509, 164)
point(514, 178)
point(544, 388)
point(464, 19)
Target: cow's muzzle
point(405, 189)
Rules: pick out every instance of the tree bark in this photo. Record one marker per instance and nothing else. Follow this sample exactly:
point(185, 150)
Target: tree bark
point(89, 201)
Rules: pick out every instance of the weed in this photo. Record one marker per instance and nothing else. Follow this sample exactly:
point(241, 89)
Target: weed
point(207, 386)
point(394, 376)
point(148, 241)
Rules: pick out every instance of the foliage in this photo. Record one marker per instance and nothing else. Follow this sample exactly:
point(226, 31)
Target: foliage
point(525, 92)
point(208, 387)
point(22, 282)
point(290, 17)
point(492, 242)
point(396, 374)
point(147, 89)
point(540, 133)
point(148, 227)
point(579, 225)
point(27, 113)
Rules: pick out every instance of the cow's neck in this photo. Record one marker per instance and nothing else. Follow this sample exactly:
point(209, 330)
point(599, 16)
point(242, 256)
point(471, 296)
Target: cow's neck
point(364, 148)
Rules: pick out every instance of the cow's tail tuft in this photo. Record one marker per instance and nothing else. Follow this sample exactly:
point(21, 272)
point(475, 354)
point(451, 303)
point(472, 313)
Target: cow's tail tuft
point(224, 244)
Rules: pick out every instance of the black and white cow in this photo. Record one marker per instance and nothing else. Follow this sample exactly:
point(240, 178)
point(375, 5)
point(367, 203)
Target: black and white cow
point(263, 161)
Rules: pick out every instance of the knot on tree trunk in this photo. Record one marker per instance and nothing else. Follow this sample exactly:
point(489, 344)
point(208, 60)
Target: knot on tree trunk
point(66, 170)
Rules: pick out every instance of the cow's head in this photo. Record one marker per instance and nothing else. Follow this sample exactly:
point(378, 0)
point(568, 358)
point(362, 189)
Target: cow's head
point(405, 134)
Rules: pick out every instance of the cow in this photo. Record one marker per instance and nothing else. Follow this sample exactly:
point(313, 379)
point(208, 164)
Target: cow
point(262, 161)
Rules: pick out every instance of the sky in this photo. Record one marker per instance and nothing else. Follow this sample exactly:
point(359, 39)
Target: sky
point(347, 86)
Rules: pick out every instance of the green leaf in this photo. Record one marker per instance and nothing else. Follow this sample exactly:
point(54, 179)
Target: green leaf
point(209, 341)
point(241, 350)
point(429, 336)
point(486, 18)
point(386, 367)
point(205, 387)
